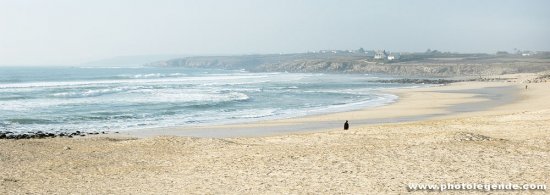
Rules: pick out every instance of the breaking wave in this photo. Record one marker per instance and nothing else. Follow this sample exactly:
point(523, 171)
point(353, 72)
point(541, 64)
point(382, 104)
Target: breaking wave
point(115, 99)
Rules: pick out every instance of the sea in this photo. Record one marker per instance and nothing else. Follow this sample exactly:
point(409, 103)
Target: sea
point(94, 99)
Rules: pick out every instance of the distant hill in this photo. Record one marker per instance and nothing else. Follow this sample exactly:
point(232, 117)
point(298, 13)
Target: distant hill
point(434, 64)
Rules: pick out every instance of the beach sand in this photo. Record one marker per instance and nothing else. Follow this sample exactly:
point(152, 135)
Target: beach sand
point(503, 143)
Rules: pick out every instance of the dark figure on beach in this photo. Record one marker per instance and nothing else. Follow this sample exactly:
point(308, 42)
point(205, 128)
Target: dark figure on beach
point(525, 86)
point(346, 126)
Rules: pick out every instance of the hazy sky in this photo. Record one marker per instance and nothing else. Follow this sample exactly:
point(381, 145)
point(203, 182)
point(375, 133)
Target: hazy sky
point(34, 32)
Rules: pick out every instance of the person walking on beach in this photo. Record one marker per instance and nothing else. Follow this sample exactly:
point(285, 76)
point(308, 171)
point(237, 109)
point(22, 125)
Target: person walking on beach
point(346, 125)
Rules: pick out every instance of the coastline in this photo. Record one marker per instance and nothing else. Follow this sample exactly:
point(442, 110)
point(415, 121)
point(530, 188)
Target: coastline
point(499, 144)
point(453, 99)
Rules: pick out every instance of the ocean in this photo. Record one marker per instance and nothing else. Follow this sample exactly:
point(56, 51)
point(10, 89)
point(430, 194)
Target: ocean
point(93, 99)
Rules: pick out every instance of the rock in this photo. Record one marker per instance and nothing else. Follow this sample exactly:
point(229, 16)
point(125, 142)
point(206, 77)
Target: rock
point(66, 148)
point(70, 136)
point(41, 135)
point(3, 136)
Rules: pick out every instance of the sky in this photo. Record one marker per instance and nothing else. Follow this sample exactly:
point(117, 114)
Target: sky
point(67, 32)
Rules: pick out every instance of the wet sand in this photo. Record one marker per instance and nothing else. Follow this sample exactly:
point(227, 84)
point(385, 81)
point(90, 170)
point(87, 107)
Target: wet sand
point(498, 143)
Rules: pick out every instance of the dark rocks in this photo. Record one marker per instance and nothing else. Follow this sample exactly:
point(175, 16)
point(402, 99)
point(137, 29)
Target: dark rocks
point(43, 135)
point(23, 136)
point(418, 81)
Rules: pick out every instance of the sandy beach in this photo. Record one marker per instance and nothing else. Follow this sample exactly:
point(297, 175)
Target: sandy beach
point(444, 134)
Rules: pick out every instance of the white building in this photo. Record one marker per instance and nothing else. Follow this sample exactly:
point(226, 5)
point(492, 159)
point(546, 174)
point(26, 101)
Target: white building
point(394, 56)
point(380, 55)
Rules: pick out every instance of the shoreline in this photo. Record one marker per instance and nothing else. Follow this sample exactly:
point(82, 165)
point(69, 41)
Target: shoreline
point(507, 143)
point(478, 96)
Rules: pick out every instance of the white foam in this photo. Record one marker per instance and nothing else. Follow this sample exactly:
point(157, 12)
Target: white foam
point(91, 92)
point(112, 67)
point(133, 81)
point(193, 97)
point(379, 100)
point(254, 113)
point(151, 75)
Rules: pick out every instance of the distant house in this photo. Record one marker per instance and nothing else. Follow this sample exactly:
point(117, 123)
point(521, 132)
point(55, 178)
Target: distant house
point(526, 53)
point(380, 55)
point(394, 56)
